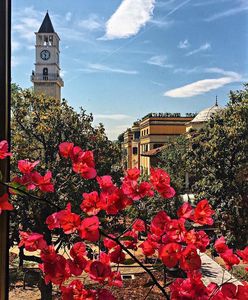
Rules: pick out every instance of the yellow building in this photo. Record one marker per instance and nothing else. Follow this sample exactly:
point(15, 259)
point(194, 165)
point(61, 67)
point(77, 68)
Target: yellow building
point(151, 132)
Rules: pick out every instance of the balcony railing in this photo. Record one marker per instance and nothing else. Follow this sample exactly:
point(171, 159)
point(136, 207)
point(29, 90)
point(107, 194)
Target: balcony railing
point(50, 77)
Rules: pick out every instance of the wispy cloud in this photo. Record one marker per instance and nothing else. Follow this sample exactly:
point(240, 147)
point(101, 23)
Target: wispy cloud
point(187, 70)
point(161, 23)
point(93, 68)
point(93, 22)
point(183, 44)
point(116, 117)
point(129, 18)
point(68, 16)
point(243, 6)
point(204, 47)
point(159, 60)
point(208, 2)
point(203, 86)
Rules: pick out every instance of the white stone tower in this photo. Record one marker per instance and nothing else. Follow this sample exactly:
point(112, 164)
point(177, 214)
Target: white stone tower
point(46, 77)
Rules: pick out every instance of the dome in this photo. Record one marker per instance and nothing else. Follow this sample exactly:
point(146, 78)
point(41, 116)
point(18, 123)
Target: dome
point(206, 114)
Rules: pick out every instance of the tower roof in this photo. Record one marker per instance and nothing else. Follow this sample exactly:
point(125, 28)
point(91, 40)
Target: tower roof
point(46, 26)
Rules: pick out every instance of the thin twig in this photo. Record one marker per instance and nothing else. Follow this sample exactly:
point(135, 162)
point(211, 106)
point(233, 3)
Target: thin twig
point(30, 196)
point(138, 262)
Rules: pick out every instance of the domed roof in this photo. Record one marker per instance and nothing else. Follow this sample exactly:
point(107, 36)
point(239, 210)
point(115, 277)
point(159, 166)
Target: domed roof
point(206, 114)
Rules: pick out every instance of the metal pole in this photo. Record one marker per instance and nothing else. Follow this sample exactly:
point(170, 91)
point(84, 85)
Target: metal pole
point(5, 77)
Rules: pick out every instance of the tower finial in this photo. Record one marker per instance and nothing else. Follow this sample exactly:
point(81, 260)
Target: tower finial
point(216, 101)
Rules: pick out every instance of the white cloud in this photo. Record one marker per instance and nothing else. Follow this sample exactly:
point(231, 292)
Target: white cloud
point(204, 47)
point(202, 86)
point(15, 61)
point(183, 44)
point(68, 16)
point(229, 12)
point(222, 72)
point(104, 68)
point(159, 60)
point(116, 117)
point(91, 23)
point(129, 18)
point(15, 46)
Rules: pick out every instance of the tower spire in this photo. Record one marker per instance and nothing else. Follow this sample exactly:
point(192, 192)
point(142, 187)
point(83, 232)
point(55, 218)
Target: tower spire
point(216, 100)
point(46, 26)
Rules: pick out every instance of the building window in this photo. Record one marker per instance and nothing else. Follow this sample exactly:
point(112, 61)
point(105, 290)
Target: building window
point(135, 150)
point(45, 40)
point(136, 135)
point(147, 131)
point(45, 73)
point(50, 40)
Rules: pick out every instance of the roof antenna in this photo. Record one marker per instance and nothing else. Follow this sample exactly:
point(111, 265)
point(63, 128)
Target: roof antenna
point(216, 101)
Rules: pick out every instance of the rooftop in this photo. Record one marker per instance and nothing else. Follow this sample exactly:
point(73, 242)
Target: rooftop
point(46, 26)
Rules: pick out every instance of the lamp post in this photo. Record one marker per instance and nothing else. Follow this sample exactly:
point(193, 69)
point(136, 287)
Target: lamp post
point(5, 78)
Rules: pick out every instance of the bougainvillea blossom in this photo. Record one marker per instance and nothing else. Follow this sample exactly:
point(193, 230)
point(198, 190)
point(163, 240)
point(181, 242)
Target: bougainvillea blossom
point(4, 149)
point(4, 203)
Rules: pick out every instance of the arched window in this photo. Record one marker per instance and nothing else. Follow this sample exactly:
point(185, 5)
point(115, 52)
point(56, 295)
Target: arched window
point(45, 73)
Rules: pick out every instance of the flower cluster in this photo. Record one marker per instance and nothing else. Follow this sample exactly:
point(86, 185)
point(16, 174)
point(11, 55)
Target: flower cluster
point(175, 242)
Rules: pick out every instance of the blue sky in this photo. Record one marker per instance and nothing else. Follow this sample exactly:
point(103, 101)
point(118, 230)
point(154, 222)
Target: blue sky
point(122, 59)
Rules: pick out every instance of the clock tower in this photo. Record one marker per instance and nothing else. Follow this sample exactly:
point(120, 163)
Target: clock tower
point(46, 77)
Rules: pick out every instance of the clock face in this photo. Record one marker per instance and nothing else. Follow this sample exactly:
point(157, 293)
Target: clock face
point(45, 54)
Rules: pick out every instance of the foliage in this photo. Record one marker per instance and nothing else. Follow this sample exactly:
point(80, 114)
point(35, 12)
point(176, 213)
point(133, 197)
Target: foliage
point(174, 242)
point(39, 125)
point(217, 158)
point(173, 159)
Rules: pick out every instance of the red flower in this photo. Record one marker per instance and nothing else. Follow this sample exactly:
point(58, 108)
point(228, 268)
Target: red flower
point(191, 288)
point(198, 238)
point(26, 166)
point(190, 260)
point(55, 270)
point(65, 149)
point(99, 271)
point(159, 223)
point(4, 203)
point(220, 245)
point(32, 241)
point(75, 291)
point(83, 163)
point(108, 243)
point(91, 203)
point(117, 255)
point(130, 240)
point(148, 247)
point(243, 254)
point(89, 229)
point(105, 295)
point(4, 149)
point(139, 225)
point(115, 279)
point(202, 214)
point(170, 254)
point(133, 174)
point(230, 291)
point(229, 258)
point(185, 211)
point(106, 183)
point(78, 264)
point(136, 191)
point(175, 230)
point(64, 219)
point(43, 182)
point(161, 183)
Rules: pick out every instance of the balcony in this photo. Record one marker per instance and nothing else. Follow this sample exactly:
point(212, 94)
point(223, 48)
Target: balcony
point(50, 77)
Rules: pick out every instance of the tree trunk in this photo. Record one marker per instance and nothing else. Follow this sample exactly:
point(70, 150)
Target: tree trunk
point(45, 290)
